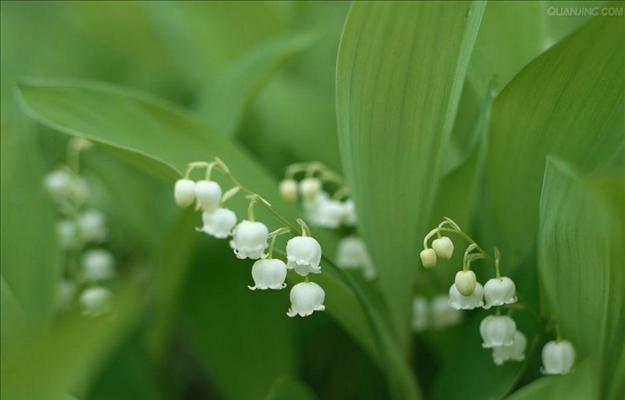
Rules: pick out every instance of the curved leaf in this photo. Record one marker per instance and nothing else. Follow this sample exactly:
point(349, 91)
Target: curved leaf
point(567, 102)
point(400, 70)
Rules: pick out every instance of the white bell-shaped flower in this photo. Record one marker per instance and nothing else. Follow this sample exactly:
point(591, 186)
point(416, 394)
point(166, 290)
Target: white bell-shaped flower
point(428, 258)
point(514, 352)
point(66, 290)
point(349, 213)
point(310, 188)
point(558, 357)
point(219, 223)
point(288, 190)
point(306, 298)
point(443, 247)
point(304, 255)
point(92, 226)
point(330, 214)
point(351, 253)
point(184, 192)
point(465, 282)
point(98, 265)
point(460, 302)
point(497, 330)
point(268, 274)
point(313, 206)
point(249, 239)
point(420, 318)
point(67, 233)
point(208, 195)
point(58, 183)
point(96, 301)
point(442, 314)
point(499, 291)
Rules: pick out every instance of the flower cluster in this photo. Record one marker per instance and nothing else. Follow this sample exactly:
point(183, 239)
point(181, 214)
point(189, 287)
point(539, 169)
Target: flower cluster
point(81, 231)
point(251, 239)
point(325, 199)
point(498, 332)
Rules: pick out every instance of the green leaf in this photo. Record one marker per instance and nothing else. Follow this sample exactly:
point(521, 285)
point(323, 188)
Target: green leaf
point(398, 85)
point(567, 102)
point(30, 257)
point(580, 384)
point(580, 264)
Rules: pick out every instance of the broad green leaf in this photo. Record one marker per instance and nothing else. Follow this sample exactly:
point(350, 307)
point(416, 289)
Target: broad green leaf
point(580, 264)
point(30, 257)
point(226, 98)
point(580, 384)
point(399, 80)
point(146, 128)
point(567, 102)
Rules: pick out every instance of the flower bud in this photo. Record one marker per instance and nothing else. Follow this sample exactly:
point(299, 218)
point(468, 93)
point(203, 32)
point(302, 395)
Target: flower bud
point(428, 258)
point(558, 357)
point(443, 247)
point(58, 183)
point(497, 330)
point(219, 223)
point(98, 265)
point(249, 239)
point(310, 188)
point(184, 192)
point(304, 255)
point(514, 352)
point(288, 190)
point(306, 298)
point(268, 274)
point(96, 301)
point(460, 302)
point(208, 195)
point(465, 282)
point(499, 291)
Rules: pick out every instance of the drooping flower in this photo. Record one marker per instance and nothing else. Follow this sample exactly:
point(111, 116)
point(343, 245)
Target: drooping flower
point(497, 330)
point(443, 247)
point(514, 352)
point(268, 274)
point(465, 282)
point(442, 314)
point(288, 190)
point(208, 195)
point(96, 301)
point(306, 298)
point(428, 258)
point(313, 206)
point(218, 223)
point(98, 265)
point(304, 255)
point(499, 291)
point(67, 233)
point(349, 213)
point(330, 214)
point(58, 183)
point(420, 318)
point(558, 357)
point(92, 226)
point(310, 188)
point(184, 192)
point(351, 253)
point(460, 302)
point(249, 239)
